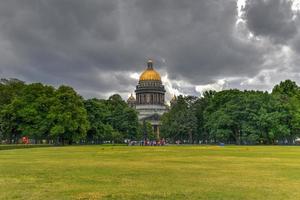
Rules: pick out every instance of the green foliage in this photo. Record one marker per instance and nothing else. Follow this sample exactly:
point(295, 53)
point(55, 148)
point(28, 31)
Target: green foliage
point(62, 116)
point(10, 88)
point(146, 131)
point(42, 112)
point(111, 120)
point(285, 89)
point(181, 122)
point(32, 108)
point(237, 117)
point(288, 95)
point(67, 116)
point(98, 114)
point(123, 118)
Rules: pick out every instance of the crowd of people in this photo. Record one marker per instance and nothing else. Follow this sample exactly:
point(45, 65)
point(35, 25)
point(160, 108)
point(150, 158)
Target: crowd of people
point(145, 142)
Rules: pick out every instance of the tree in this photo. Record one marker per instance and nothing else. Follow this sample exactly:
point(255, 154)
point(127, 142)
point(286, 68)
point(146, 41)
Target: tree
point(145, 131)
point(247, 117)
point(180, 123)
point(9, 90)
point(224, 116)
point(32, 109)
point(123, 118)
point(230, 116)
point(98, 114)
point(287, 92)
point(68, 117)
point(9, 124)
point(111, 120)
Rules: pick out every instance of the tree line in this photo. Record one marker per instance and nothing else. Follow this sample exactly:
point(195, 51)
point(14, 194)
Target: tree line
point(61, 116)
point(236, 117)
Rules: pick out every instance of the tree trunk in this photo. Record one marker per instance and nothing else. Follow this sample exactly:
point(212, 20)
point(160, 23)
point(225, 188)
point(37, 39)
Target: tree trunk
point(190, 137)
point(237, 137)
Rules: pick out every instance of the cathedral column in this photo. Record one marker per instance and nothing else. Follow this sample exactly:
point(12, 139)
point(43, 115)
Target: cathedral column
point(141, 96)
point(152, 98)
point(140, 99)
point(160, 98)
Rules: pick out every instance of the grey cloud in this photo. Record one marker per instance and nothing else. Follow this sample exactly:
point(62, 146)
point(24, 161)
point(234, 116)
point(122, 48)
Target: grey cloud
point(94, 45)
point(197, 38)
point(271, 18)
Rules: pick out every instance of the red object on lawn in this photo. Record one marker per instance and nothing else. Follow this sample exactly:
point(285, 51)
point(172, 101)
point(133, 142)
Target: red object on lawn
point(25, 140)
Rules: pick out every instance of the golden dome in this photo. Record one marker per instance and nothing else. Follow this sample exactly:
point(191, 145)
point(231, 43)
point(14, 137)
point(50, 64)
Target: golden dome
point(150, 74)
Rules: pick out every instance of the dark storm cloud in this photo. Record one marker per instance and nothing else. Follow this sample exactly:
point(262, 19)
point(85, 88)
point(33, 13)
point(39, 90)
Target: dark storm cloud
point(197, 38)
point(63, 42)
point(271, 18)
point(94, 45)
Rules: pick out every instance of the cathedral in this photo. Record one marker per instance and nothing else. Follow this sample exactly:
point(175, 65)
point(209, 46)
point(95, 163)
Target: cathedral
point(150, 98)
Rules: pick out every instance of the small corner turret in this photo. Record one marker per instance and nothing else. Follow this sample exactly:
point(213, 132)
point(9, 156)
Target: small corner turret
point(173, 101)
point(131, 101)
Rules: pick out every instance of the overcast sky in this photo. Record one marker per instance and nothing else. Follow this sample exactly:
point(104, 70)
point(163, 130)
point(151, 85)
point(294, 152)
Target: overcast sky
point(100, 47)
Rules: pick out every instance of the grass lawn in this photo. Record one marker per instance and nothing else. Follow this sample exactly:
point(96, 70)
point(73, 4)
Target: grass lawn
point(172, 172)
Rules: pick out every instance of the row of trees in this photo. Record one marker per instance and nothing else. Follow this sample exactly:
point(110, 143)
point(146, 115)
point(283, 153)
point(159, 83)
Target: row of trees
point(60, 115)
point(236, 117)
point(42, 112)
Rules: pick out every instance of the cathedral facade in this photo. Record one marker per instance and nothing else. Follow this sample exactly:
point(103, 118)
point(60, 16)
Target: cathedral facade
point(150, 97)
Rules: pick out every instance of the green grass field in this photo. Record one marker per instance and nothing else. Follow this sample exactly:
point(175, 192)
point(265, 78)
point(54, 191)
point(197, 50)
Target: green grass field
point(172, 172)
